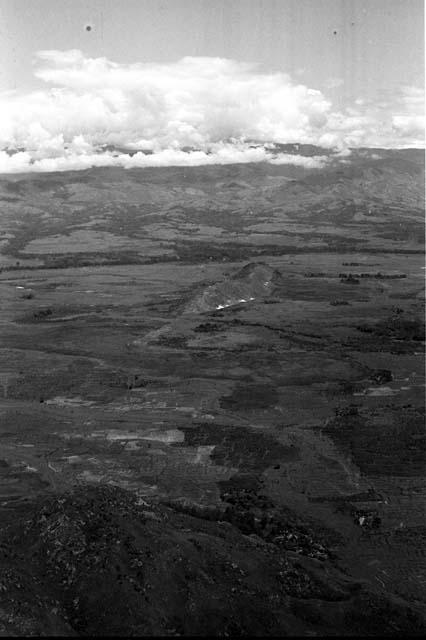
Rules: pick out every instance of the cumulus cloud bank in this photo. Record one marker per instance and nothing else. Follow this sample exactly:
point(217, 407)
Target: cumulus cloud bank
point(196, 111)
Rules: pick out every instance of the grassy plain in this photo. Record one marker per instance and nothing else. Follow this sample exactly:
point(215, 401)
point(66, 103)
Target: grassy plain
point(228, 364)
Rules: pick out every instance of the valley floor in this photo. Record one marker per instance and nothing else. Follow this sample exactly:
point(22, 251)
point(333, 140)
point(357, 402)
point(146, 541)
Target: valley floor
point(212, 417)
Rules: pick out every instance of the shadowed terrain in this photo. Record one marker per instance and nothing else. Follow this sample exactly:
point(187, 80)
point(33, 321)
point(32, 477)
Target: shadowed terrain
point(212, 400)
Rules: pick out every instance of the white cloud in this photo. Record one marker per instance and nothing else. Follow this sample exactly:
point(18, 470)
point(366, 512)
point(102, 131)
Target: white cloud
point(334, 82)
point(220, 154)
point(212, 105)
point(408, 120)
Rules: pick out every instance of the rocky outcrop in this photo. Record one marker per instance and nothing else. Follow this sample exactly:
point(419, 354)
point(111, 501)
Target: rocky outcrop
point(255, 280)
point(100, 561)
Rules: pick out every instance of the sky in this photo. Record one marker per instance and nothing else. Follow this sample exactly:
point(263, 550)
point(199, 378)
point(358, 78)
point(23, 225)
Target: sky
point(172, 74)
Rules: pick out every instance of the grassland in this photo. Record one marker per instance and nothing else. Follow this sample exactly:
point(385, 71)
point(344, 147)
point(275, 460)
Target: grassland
point(212, 378)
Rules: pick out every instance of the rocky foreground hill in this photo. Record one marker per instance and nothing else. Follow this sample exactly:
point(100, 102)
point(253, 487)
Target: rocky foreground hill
point(99, 561)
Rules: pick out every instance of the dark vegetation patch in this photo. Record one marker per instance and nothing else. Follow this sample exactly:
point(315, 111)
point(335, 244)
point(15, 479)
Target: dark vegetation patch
point(170, 306)
point(316, 274)
point(345, 387)
point(253, 396)
point(133, 381)
point(208, 327)
point(92, 258)
point(81, 377)
point(31, 421)
point(174, 342)
point(196, 251)
point(413, 536)
point(350, 279)
point(376, 276)
point(359, 264)
point(40, 385)
point(393, 335)
point(239, 447)
point(60, 313)
point(42, 314)
point(381, 376)
point(372, 376)
point(254, 513)
point(28, 295)
point(28, 229)
point(389, 442)
point(363, 496)
point(351, 276)
point(244, 506)
point(396, 329)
